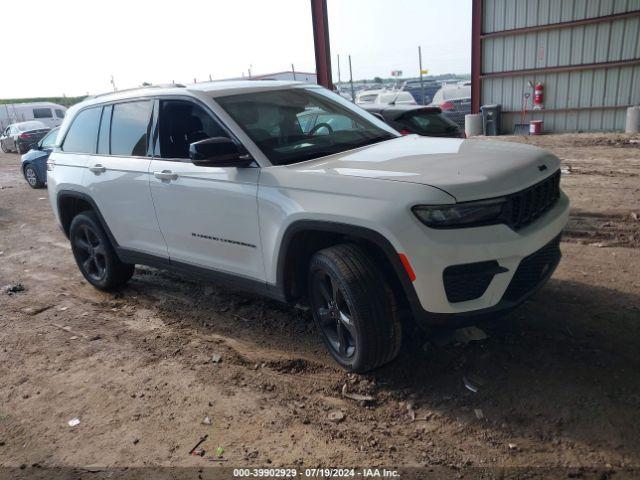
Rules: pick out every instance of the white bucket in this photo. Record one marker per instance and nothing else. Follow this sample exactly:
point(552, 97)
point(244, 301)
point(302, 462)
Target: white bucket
point(633, 120)
point(473, 124)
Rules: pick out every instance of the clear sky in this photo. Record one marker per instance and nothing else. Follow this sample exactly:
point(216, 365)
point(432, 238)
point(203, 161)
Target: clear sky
point(73, 47)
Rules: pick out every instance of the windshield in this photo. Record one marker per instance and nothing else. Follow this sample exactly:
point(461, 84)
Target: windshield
point(299, 124)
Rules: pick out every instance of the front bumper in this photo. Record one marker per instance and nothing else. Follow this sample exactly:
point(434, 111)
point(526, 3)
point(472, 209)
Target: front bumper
point(506, 251)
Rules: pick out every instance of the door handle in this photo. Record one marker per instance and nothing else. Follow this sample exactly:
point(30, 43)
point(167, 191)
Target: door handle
point(97, 169)
point(166, 175)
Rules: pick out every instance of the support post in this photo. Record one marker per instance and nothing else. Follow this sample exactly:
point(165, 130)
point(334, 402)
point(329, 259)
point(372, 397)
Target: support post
point(421, 80)
point(321, 42)
point(353, 92)
point(476, 55)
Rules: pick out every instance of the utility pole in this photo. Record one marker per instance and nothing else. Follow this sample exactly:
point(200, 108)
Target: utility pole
point(250, 71)
point(421, 80)
point(113, 82)
point(338, 69)
point(293, 70)
point(353, 93)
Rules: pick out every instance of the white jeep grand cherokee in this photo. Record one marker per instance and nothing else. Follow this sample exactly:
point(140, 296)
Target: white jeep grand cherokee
point(291, 191)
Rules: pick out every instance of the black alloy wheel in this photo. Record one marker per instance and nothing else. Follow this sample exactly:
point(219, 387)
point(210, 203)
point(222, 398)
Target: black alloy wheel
point(353, 307)
point(94, 254)
point(91, 253)
point(334, 315)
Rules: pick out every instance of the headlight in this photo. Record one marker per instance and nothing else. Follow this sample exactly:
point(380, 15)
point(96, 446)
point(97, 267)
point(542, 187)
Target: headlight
point(468, 214)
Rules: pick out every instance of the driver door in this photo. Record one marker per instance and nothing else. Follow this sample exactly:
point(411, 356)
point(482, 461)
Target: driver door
point(208, 215)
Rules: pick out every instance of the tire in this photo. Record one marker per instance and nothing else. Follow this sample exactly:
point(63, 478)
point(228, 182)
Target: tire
point(354, 308)
point(94, 254)
point(19, 149)
point(31, 177)
point(3, 148)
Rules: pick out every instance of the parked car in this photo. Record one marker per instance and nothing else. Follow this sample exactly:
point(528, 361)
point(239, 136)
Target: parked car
point(220, 181)
point(20, 137)
point(454, 101)
point(407, 119)
point(398, 97)
point(367, 96)
point(415, 88)
point(51, 114)
point(34, 162)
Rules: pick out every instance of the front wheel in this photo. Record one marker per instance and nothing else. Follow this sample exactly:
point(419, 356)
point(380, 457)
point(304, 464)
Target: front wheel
point(94, 254)
point(3, 148)
point(354, 308)
point(32, 177)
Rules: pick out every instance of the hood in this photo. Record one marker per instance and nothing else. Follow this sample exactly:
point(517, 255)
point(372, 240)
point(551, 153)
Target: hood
point(34, 154)
point(466, 169)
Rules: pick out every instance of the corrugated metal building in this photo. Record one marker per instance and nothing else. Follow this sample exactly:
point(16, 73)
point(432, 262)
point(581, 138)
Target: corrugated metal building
point(585, 52)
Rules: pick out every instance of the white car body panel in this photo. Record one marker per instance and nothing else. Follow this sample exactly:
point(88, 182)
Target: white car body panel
point(122, 191)
point(205, 211)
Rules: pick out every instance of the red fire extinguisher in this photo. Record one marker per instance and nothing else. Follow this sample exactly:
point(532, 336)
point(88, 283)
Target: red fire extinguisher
point(538, 96)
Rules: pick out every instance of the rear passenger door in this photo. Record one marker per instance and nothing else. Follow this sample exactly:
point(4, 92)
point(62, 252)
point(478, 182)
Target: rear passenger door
point(208, 215)
point(117, 176)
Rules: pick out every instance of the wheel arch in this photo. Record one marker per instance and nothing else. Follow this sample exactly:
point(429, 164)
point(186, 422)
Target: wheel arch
point(70, 203)
point(305, 237)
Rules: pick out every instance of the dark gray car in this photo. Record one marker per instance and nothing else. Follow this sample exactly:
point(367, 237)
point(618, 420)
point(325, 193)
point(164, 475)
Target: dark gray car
point(20, 137)
point(425, 121)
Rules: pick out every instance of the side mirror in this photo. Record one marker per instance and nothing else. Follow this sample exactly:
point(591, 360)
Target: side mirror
point(218, 152)
point(378, 116)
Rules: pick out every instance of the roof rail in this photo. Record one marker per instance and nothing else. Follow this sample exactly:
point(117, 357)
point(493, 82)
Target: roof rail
point(162, 85)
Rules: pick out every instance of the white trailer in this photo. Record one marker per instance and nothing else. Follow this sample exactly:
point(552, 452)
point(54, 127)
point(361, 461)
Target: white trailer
point(51, 114)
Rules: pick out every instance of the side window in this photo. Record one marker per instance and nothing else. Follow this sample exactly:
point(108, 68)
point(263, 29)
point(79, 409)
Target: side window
point(337, 122)
point(103, 135)
point(83, 133)
point(59, 113)
point(129, 128)
point(42, 113)
point(182, 123)
point(304, 119)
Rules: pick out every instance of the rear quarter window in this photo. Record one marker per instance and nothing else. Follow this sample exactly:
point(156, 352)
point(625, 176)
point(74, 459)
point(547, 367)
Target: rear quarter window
point(83, 133)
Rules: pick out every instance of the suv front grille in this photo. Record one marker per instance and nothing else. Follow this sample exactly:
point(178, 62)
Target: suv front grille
point(533, 271)
point(531, 203)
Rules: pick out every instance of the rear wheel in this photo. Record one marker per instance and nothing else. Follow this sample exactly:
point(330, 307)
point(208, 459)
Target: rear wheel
point(94, 254)
point(19, 149)
point(32, 177)
point(354, 308)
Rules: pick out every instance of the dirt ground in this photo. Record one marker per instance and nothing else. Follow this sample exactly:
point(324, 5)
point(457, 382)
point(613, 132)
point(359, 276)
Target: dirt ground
point(559, 379)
